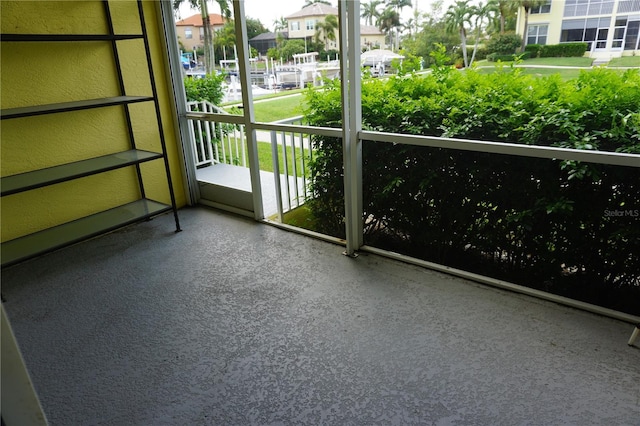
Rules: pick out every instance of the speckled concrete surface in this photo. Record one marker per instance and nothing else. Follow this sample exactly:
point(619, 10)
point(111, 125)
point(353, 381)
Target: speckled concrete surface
point(231, 322)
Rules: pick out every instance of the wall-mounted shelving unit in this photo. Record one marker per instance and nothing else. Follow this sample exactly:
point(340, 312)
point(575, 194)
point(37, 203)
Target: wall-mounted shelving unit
point(55, 237)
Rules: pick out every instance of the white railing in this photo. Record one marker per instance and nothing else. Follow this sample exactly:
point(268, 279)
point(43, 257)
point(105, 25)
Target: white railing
point(216, 142)
point(291, 177)
point(224, 141)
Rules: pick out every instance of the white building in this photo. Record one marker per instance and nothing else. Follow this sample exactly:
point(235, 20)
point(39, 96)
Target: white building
point(303, 23)
point(609, 27)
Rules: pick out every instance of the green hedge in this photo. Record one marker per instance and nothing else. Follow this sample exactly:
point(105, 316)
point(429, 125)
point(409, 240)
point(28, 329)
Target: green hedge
point(533, 49)
point(560, 226)
point(563, 50)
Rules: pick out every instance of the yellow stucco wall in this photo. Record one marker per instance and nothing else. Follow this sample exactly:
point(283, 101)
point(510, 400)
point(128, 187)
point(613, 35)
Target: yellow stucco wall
point(34, 73)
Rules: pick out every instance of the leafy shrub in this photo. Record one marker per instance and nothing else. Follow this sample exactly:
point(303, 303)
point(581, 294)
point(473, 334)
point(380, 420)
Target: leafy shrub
point(533, 49)
point(537, 222)
point(328, 55)
point(563, 50)
point(287, 50)
point(408, 64)
point(209, 88)
point(481, 53)
point(504, 44)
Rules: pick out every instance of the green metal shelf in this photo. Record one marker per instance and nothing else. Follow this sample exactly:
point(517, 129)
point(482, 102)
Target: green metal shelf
point(50, 239)
point(56, 237)
point(71, 106)
point(52, 175)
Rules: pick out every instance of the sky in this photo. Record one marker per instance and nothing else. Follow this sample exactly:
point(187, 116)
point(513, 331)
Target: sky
point(267, 11)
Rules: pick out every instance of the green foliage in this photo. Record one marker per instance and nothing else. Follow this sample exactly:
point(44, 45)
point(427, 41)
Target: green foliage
point(208, 88)
point(533, 49)
point(563, 50)
point(287, 50)
point(504, 44)
point(424, 42)
point(328, 55)
point(536, 222)
point(409, 64)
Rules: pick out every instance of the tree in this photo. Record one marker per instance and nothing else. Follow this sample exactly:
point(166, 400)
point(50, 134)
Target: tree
point(505, 10)
point(398, 5)
point(425, 42)
point(201, 5)
point(481, 13)
point(326, 30)
point(370, 11)
point(288, 49)
point(527, 5)
point(280, 24)
point(254, 28)
point(457, 16)
point(387, 21)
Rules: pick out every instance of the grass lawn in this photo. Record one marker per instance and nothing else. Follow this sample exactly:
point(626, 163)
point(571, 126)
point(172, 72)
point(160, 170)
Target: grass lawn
point(266, 161)
point(275, 108)
point(565, 73)
point(560, 62)
point(625, 61)
point(279, 108)
point(300, 217)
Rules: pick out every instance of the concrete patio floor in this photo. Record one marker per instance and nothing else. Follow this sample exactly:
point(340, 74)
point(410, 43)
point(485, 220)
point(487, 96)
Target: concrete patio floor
point(234, 322)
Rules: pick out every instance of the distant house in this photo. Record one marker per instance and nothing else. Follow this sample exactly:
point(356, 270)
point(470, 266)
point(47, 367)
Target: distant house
point(190, 31)
point(371, 37)
point(609, 27)
point(303, 24)
point(265, 41)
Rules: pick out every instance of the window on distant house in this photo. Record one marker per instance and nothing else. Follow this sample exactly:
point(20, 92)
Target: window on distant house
point(587, 30)
point(632, 40)
point(588, 7)
point(542, 8)
point(537, 34)
point(311, 24)
point(201, 33)
point(295, 26)
point(627, 6)
point(188, 33)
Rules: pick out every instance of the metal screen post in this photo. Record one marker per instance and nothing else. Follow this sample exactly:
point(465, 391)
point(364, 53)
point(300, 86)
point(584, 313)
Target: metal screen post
point(247, 101)
point(349, 13)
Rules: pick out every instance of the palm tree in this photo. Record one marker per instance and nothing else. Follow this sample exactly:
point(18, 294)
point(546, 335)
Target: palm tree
point(398, 5)
point(326, 30)
point(527, 5)
point(455, 19)
point(387, 21)
point(504, 9)
point(201, 5)
point(370, 11)
point(280, 24)
point(481, 13)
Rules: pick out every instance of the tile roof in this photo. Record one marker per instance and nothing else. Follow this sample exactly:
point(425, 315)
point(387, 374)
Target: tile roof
point(269, 36)
point(316, 9)
point(370, 30)
point(196, 20)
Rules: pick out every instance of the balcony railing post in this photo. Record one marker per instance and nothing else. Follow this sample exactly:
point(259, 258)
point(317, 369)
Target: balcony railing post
point(276, 173)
